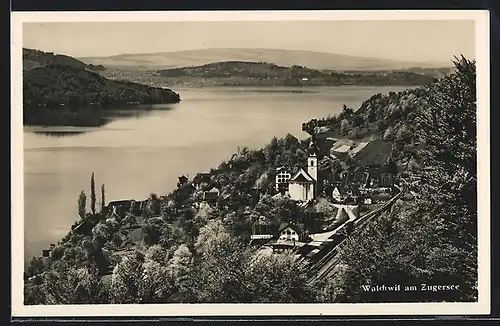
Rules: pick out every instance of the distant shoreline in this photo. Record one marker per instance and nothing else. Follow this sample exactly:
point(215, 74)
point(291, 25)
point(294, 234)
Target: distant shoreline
point(284, 86)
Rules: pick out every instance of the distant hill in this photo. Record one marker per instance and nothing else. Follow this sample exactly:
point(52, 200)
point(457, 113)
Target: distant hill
point(242, 73)
point(36, 58)
point(434, 72)
point(69, 95)
point(311, 59)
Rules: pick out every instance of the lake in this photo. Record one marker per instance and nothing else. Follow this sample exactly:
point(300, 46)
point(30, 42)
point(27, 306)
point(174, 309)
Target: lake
point(144, 153)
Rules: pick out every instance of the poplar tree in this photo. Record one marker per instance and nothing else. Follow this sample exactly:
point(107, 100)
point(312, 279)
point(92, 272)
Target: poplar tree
point(82, 203)
point(103, 198)
point(92, 193)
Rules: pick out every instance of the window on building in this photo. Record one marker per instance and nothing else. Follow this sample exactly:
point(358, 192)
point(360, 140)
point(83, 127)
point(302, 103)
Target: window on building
point(283, 177)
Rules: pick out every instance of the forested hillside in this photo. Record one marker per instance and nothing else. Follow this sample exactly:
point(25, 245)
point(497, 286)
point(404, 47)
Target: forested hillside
point(36, 58)
point(434, 240)
point(67, 90)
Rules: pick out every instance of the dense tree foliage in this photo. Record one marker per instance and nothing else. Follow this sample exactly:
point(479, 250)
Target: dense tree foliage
point(433, 241)
point(56, 92)
point(36, 58)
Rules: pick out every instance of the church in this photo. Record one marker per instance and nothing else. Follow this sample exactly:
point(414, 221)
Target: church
point(302, 186)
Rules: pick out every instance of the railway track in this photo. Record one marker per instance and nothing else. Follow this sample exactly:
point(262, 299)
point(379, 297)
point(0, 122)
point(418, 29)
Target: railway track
point(327, 263)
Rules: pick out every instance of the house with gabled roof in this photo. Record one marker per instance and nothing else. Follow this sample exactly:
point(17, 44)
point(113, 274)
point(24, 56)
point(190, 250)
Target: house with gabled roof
point(290, 232)
point(211, 195)
point(344, 194)
point(291, 236)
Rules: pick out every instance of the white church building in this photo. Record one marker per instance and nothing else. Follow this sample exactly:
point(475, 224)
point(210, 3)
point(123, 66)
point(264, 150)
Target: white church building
point(302, 186)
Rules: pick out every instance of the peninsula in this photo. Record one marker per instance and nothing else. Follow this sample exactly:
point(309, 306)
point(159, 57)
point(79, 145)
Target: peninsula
point(60, 90)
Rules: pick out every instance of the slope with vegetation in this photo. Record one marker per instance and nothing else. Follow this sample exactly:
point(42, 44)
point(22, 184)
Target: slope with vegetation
point(434, 240)
point(189, 252)
point(36, 58)
point(231, 73)
point(69, 95)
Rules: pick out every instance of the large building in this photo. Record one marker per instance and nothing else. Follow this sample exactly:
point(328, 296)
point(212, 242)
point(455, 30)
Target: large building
point(302, 186)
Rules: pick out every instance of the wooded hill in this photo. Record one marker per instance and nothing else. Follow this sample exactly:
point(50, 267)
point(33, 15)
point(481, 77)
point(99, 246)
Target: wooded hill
point(36, 58)
point(242, 72)
point(59, 93)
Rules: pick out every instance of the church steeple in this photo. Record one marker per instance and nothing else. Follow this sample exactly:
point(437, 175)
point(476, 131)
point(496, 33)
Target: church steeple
point(312, 166)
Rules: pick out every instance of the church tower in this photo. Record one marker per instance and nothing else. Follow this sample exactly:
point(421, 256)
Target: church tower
point(312, 166)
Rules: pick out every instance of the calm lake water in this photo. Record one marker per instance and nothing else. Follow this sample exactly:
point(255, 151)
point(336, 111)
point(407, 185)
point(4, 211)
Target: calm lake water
point(138, 155)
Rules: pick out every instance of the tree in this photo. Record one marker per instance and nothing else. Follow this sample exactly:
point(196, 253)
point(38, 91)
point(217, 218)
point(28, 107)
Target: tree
point(103, 198)
point(434, 240)
point(92, 194)
point(150, 234)
point(447, 128)
point(126, 279)
point(180, 269)
point(389, 133)
point(69, 285)
point(139, 278)
point(36, 266)
point(345, 126)
point(276, 279)
point(82, 204)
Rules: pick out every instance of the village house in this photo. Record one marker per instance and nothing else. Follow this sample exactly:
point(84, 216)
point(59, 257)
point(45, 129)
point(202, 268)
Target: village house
point(283, 176)
point(137, 207)
point(211, 195)
point(289, 232)
point(346, 194)
point(290, 236)
point(357, 148)
point(119, 207)
point(182, 181)
point(340, 150)
point(46, 254)
point(201, 179)
point(357, 178)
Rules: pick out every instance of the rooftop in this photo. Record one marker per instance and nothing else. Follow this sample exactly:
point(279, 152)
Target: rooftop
point(341, 149)
point(358, 148)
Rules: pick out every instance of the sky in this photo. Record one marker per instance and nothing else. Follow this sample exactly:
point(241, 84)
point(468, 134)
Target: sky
point(418, 40)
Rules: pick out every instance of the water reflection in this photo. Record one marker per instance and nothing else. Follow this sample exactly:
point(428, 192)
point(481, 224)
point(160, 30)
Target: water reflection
point(60, 133)
point(63, 125)
point(298, 91)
